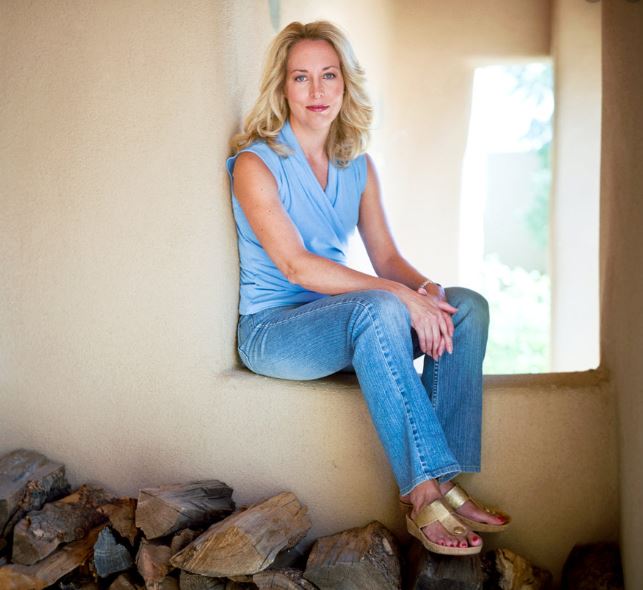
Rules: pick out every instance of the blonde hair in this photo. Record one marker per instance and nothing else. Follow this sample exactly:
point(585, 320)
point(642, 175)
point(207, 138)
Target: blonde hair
point(349, 132)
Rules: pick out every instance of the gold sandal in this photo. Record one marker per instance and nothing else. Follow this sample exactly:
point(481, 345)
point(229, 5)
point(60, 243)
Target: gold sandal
point(457, 496)
point(437, 511)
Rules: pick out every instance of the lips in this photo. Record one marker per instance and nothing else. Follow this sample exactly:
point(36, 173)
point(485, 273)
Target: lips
point(318, 108)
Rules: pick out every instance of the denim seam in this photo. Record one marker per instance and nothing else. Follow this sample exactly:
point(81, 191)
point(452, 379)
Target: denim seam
point(393, 373)
point(435, 389)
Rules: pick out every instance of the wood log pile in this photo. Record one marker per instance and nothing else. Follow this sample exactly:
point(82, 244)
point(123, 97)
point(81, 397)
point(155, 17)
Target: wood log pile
point(191, 536)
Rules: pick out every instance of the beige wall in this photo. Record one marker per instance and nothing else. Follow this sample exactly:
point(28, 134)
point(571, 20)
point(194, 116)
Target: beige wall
point(576, 49)
point(436, 46)
point(118, 290)
point(621, 249)
point(119, 277)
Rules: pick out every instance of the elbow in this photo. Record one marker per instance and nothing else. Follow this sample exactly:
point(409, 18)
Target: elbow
point(296, 271)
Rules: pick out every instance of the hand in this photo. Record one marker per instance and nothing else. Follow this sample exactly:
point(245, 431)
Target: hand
point(431, 319)
point(435, 290)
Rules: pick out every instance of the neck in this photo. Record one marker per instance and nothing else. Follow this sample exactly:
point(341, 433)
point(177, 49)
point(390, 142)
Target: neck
point(312, 141)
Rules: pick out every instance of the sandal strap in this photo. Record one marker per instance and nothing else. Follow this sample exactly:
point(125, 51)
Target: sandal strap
point(456, 497)
point(437, 511)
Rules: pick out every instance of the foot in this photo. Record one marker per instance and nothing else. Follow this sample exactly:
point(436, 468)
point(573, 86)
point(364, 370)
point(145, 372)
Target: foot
point(421, 496)
point(472, 511)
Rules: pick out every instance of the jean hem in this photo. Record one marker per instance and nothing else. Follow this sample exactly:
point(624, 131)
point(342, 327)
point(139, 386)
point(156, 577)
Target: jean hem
point(450, 470)
point(463, 469)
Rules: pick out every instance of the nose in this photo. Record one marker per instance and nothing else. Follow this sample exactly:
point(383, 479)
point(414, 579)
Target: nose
point(316, 89)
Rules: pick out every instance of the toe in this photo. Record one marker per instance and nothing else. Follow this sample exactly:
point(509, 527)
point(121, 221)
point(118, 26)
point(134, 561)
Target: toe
point(474, 540)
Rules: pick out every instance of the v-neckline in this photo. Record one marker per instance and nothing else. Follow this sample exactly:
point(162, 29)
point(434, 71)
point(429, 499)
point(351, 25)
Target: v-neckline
point(290, 135)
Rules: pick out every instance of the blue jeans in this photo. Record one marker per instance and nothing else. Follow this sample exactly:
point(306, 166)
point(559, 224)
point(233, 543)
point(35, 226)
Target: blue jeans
point(429, 426)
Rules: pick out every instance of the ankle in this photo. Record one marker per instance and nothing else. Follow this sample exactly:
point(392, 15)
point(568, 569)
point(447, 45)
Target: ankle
point(445, 486)
point(424, 494)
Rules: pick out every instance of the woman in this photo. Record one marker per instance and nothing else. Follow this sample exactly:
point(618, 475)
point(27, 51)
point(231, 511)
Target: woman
point(301, 183)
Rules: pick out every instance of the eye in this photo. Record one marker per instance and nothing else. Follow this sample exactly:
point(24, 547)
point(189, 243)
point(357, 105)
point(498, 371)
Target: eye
point(329, 76)
point(300, 78)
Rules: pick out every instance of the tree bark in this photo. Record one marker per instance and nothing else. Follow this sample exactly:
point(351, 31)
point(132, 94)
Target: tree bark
point(121, 515)
point(431, 571)
point(364, 557)
point(27, 480)
point(49, 570)
point(285, 579)
point(40, 532)
point(110, 557)
point(248, 541)
point(167, 509)
point(188, 581)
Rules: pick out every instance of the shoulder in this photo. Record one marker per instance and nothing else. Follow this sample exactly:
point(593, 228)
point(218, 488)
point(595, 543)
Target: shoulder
point(257, 152)
point(258, 163)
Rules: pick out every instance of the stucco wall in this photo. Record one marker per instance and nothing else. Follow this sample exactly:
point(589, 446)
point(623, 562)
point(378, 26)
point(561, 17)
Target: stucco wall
point(576, 49)
point(621, 249)
point(119, 279)
point(435, 49)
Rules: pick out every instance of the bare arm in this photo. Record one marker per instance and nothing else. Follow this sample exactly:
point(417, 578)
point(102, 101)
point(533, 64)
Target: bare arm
point(256, 191)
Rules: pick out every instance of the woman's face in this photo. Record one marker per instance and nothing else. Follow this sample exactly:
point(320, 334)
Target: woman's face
point(314, 84)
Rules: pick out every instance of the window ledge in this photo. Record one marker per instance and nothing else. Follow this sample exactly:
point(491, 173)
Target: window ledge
point(347, 381)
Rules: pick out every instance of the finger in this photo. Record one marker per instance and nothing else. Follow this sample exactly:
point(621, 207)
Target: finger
point(423, 291)
point(443, 305)
point(444, 328)
point(448, 342)
point(421, 339)
point(450, 326)
point(442, 346)
point(435, 332)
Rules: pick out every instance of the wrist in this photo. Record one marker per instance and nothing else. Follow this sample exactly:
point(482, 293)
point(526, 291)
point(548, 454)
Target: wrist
point(426, 283)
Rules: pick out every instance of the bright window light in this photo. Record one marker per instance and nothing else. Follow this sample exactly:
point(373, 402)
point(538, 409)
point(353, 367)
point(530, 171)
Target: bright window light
point(504, 214)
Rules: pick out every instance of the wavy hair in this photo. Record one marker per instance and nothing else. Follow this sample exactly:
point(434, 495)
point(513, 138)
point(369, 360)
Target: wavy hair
point(349, 132)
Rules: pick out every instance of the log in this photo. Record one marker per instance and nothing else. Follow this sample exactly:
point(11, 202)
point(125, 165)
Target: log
point(167, 583)
point(153, 563)
point(183, 539)
point(40, 532)
point(120, 514)
point(167, 509)
point(596, 566)
point(232, 585)
point(51, 569)
point(110, 557)
point(188, 581)
point(364, 557)
point(248, 541)
point(505, 569)
point(431, 571)
point(27, 480)
point(283, 579)
point(124, 582)
point(75, 585)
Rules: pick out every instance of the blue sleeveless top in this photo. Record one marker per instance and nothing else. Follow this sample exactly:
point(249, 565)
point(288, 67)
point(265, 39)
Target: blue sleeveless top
point(325, 220)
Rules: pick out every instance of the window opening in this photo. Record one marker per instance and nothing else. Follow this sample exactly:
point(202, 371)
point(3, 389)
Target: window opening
point(504, 214)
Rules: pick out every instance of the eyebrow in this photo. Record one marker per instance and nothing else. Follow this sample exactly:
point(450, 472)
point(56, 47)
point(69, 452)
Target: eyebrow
point(323, 69)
